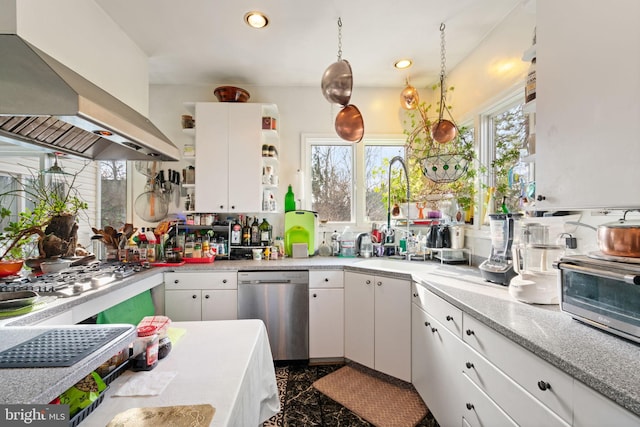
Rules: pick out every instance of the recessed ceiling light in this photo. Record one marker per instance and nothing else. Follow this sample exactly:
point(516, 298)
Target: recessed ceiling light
point(403, 64)
point(256, 19)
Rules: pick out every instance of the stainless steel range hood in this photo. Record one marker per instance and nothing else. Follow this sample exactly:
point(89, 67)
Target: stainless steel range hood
point(43, 102)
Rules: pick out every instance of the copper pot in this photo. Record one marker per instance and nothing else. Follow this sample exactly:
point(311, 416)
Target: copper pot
point(620, 238)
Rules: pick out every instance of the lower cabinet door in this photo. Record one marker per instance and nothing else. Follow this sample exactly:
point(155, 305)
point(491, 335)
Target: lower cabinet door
point(436, 358)
point(220, 304)
point(183, 304)
point(479, 410)
point(591, 409)
point(326, 323)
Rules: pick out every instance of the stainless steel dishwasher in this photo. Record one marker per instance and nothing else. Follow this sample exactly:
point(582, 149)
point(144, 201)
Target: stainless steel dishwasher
point(281, 300)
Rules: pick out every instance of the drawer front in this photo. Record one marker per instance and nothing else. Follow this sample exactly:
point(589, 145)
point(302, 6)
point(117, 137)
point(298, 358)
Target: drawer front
point(513, 399)
point(545, 382)
point(441, 310)
point(201, 280)
point(326, 279)
point(480, 410)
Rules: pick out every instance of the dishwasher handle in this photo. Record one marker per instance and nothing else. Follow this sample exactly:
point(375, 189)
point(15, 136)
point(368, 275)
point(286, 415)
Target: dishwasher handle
point(265, 282)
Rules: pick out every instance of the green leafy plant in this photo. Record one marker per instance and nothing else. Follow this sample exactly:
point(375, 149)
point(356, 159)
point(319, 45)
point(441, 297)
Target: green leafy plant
point(52, 200)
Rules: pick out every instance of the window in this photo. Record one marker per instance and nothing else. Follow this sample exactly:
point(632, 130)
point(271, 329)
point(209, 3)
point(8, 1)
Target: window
point(113, 193)
point(347, 180)
point(507, 139)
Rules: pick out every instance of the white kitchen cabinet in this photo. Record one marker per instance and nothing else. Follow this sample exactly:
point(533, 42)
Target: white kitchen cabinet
point(378, 323)
point(588, 109)
point(436, 358)
point(541, 380)
point(229, 165)
point(480, 410)
point(525, 410)
point(326, 314)
point(201, 296)
point(591, 409)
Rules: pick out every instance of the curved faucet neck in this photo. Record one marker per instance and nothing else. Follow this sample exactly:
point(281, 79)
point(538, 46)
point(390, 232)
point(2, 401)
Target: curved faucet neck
point(406, 175)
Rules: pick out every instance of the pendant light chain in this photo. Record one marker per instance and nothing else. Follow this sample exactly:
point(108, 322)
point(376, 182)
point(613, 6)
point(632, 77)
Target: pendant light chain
point(339, 39)
point(442, 70)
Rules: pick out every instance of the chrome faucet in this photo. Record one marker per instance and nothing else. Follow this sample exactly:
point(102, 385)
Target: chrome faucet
point(406, 174)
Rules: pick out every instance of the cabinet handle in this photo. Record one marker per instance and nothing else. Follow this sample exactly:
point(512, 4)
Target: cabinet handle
point(470, 406)
point(233, 207)
point(469, 365)
point(543, 385)
point(434, 330)
point(221, 206)
point(176, 281)
point(315, 295)
point(540, 198)
point(326, 279)
point(379, 283)
point(449, 318)
point(368, 282)
point(427, 324)
point(194, 296)
point(224, 280)
point(470, 332)
point(415, 295)
point(207, 296)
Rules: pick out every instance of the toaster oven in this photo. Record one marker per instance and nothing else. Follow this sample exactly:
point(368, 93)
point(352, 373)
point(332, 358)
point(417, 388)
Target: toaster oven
point(602, 291)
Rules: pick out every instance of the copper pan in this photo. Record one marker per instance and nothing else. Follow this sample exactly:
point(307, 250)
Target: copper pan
point(349, 124)
point(620, 238)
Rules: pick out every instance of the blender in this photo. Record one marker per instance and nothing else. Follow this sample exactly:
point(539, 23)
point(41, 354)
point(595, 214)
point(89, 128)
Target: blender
point(536, 281)
point(498, 268)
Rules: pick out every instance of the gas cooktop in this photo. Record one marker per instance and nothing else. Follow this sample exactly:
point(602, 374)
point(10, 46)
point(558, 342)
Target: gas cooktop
point(71, 281)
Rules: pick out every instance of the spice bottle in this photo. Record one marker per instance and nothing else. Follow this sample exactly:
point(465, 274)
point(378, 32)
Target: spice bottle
point(148, 358)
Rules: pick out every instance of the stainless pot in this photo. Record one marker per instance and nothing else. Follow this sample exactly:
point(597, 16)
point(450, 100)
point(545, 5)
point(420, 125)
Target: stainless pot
point(620, 238)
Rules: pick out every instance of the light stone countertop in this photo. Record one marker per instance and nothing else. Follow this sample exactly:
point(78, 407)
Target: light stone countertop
point(605, 363)
point(42, 385)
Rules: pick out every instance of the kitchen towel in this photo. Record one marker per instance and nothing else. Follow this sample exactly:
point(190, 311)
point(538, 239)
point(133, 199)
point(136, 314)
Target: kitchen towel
point(148, 383)
point(130, 311)
point(175, 416)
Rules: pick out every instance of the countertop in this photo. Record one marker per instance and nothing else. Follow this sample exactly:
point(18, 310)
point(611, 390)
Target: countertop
point(42, 385)
point(605, 363)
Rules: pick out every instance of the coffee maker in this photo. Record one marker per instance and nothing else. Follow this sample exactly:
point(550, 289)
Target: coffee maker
point(504, 228)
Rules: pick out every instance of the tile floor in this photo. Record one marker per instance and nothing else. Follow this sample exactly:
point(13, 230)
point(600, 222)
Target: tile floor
point(302, 405)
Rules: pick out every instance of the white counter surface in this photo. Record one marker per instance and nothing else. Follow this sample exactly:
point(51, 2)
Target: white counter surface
point(227, 364)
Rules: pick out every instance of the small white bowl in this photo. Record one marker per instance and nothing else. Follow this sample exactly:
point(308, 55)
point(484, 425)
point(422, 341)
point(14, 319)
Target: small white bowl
point(54, 266)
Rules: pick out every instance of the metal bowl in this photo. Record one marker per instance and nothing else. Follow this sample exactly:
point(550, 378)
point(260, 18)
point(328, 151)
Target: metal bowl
point(231, 94)
point(54, 266)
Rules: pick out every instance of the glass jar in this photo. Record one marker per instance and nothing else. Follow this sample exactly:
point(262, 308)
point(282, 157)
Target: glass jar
point(148, 357)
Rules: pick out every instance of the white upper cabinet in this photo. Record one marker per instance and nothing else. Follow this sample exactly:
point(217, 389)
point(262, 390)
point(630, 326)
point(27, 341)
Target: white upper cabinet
point(588, 104)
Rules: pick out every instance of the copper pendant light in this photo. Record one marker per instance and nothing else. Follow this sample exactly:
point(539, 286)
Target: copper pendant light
point(409, 98)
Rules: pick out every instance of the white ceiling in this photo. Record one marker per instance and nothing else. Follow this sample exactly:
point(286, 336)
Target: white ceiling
point(207, 41)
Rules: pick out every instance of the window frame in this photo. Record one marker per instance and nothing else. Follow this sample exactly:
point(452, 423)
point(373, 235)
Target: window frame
point(358, 207)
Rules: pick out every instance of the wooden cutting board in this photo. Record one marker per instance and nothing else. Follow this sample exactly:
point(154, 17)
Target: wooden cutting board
point(175, 416)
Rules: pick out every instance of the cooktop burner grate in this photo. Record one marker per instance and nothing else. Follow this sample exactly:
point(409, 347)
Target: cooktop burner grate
point(58, 348)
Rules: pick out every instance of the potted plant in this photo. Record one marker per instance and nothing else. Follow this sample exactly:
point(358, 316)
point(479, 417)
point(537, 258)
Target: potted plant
point(50, 225)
